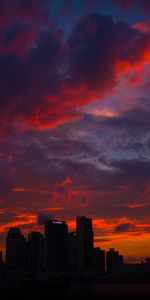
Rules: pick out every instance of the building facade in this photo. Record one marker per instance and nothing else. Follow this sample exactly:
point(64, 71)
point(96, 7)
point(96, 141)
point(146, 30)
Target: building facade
point(84, 243)
point(35, 251)
point(98, 260)
point(72, 251)
point(114, 260)
point(56, 245)
point(16, 249)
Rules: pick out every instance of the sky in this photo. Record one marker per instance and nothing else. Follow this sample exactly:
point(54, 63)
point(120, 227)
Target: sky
point(74, 118)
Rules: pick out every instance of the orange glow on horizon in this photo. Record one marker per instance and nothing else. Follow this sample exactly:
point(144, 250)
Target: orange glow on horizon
point(129, 243)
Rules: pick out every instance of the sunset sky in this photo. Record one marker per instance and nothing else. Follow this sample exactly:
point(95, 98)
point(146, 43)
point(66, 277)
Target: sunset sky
point(75, 118)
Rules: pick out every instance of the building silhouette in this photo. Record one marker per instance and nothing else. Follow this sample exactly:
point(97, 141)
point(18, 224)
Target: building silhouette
point(98, 259)
point(56, 245)
point(148, 261)
point(61, 251)
point(72, 251)
point(35, 251)
point(114, 260)
point(121, 260)
point(84, 243)
point(16, 247)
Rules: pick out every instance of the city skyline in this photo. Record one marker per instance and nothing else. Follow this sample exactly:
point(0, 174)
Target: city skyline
point(75, 118)
point(67, 263)
point(34, 227)
point(80, 236)
point(59, 250)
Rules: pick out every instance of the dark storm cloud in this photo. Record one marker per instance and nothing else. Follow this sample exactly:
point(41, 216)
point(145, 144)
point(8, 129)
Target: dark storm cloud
point(46, 85)
point(29, 80)
point(96, 45)
point(26, 74)
point(123, 227)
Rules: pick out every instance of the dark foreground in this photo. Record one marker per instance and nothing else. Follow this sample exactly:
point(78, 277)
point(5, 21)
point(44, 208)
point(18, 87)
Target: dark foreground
point(79, 291)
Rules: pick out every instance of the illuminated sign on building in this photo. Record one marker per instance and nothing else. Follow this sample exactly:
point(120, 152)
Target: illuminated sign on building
point(57, 222)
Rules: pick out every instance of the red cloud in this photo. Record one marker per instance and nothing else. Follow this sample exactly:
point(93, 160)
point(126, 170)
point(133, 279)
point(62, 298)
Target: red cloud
point(67, 196)
point(20, 220)
point(50, 86)
point(142, 26)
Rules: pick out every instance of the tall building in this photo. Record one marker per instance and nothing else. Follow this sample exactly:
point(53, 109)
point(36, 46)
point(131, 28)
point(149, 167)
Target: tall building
point(72, 251)
point(35, 251)
point(148, 260)
point(114, 260)
point(121, 261)
point(84, 243)
point(98, 259)
point(16, 247)
point(56, 245)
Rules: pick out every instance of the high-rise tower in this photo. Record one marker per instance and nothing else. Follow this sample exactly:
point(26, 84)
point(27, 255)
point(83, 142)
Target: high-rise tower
point(35, 255)
point(16, 247)
point(56, 245)
point(84, 243)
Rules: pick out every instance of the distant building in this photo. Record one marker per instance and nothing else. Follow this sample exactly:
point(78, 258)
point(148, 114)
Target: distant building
point(84, 243)
point(148, 260)
point(98, 259)
point(35, 252)
point(136, 272)
point(72, 251)
point(114, 260)
point(56, 245)
point(16, 247)
point(121, 260)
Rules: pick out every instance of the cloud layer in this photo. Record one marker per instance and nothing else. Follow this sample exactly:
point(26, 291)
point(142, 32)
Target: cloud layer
point(74, 111)
point(50, 79)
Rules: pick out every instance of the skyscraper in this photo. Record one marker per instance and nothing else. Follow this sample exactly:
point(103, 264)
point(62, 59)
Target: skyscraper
point(56, 245)
point(16, 247)
point(84, 243)
point(72, 251)
point(148, 260)
point(99, 259)
point(114, 260)
point(35, 253)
